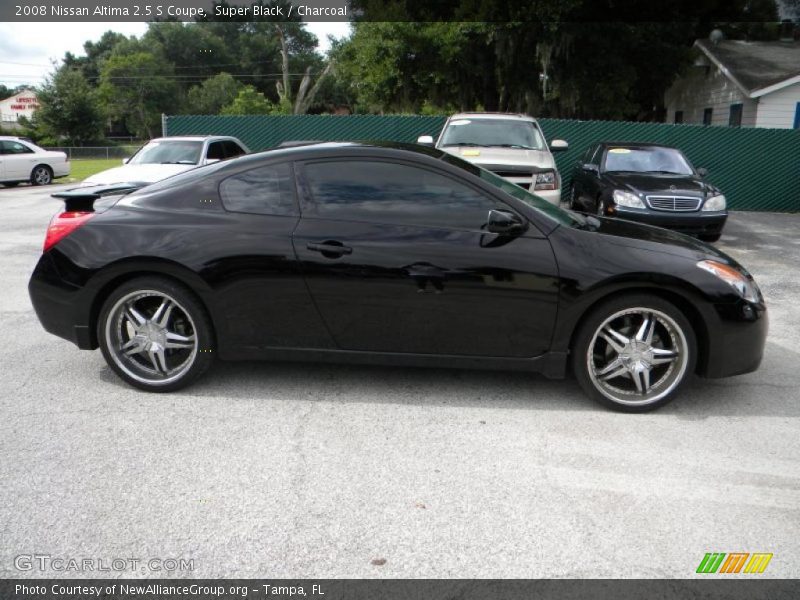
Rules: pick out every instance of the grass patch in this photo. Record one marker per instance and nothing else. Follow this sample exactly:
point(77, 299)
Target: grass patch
point(82, 168)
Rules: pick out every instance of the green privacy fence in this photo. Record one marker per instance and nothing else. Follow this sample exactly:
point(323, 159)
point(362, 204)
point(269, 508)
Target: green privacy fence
point(757, 169)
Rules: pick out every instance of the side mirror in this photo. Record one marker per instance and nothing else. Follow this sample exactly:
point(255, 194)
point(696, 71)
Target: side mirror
point(558, 146)
point(702, 171)
point(591, 168)
point(126, 160)
point(504, 222)
point(425, 140)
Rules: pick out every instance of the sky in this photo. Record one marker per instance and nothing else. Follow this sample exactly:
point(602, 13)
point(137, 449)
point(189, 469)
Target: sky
point(27, 50)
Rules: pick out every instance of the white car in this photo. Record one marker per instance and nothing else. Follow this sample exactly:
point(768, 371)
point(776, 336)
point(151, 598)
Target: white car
point(163, 157)
point(22, 160)
point(510, 145)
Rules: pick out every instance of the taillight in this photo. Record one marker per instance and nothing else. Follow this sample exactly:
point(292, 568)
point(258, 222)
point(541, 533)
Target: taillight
point(62, 225)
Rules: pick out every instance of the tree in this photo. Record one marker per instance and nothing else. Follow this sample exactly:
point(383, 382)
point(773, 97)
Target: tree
point(213, 94)
point(250, 101)
point(136, 89)
point(69, 108)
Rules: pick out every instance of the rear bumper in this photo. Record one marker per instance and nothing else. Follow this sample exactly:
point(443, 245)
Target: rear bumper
point(58, 305)
point(690, 222)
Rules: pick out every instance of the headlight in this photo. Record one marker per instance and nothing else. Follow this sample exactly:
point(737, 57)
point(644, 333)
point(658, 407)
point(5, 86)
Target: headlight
point(746, 287)
point(546, 180)
point(623, 198)
point(715, 203)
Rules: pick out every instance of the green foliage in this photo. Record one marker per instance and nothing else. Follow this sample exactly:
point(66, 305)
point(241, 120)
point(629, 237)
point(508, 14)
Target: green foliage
point(136, 89)
point(213, 94)
point(249, 101)
point(68, 108)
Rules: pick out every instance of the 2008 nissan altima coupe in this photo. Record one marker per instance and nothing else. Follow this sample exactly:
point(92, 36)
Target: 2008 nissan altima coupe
point(390, 254)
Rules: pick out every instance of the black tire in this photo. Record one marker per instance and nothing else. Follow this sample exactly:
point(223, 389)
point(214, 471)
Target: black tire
point(671, 334)
point(41, 175)
point(11, 184)
point(710, 237)
point(154, 361)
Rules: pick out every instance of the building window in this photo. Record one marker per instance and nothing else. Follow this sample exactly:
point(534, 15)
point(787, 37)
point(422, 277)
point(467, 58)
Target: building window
point(735, 116)
point(708, 114)
point(679, 116)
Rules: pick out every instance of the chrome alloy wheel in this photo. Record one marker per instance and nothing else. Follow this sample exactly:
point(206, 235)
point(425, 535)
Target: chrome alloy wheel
point(151, 337)
point(42, 176)
point(637, 356)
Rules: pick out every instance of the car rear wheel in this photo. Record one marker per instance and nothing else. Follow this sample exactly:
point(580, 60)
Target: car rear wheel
point(634, 352)
point(155, 334)
point(41, 175)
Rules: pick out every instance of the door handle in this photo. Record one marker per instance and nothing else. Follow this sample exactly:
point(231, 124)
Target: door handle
point(330, 248)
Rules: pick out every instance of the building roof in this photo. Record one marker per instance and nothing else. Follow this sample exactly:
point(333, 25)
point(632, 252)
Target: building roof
point(757, 68)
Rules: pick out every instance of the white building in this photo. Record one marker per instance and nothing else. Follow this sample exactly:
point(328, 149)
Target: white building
point(740, 84)
point(23, 104)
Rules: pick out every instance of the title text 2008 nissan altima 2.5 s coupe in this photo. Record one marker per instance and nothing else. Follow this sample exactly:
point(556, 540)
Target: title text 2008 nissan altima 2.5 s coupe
point(390, 254)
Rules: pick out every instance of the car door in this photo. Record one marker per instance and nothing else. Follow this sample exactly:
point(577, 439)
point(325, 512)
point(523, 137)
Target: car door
point(260, 290)
point(2, 161)
point(18, 160)
point(398, 259)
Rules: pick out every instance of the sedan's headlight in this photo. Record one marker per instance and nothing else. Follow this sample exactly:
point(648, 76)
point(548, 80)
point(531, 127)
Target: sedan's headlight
point(623, 198)
point(715, 203)
point(545, 180)
point(746, 287)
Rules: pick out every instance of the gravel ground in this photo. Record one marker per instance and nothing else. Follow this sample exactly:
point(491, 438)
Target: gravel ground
point(303, 470)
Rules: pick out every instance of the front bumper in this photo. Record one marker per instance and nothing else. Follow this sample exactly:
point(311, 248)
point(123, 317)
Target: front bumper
point(736, 340)
point(696, 222)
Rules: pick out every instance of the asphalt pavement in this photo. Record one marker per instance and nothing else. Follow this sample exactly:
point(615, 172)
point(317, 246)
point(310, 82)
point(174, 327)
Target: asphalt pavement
point(306, 470)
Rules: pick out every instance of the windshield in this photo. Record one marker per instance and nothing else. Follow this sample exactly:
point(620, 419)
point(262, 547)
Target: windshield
point(562, 217)
point(177, 152)
point(507, 133)
point(647, 159)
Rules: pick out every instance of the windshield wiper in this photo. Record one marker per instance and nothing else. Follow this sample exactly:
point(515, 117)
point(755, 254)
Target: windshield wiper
point(520, 146)
point(665, 172)
point(467, 144)
point(177, 162)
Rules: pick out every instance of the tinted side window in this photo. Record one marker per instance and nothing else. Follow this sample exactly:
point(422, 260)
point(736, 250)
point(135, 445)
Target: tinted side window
point(232, 149)
point(265, 191)
point(15, 148)
point(383, 192)
point(215, 151)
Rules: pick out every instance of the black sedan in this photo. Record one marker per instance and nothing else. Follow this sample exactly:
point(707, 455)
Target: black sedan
point(650, 184)
point(391, 254)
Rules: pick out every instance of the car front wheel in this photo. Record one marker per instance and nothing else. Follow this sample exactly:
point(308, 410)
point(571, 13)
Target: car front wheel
point(634, 352)
point(41, 175)
point(155, 334)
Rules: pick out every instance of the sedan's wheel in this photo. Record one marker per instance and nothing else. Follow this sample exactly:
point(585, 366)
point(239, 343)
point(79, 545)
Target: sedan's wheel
point(41, 175)
point(710, 237)
point(634, 352)
point(155, 334)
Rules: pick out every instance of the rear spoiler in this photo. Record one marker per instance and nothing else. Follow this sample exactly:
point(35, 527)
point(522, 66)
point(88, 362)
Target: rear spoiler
point(82, 199)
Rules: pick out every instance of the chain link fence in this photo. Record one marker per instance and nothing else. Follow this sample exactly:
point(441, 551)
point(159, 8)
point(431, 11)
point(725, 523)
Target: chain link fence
point(96, 152)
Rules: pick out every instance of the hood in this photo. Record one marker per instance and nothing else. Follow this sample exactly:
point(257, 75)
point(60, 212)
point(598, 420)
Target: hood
point(143, 173)
point(641, 236)
point(654, 182)
point(491, 158)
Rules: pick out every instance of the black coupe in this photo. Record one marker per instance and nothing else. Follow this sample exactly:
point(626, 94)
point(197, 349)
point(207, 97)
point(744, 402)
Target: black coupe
point(391, 254)
point(650, 184)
